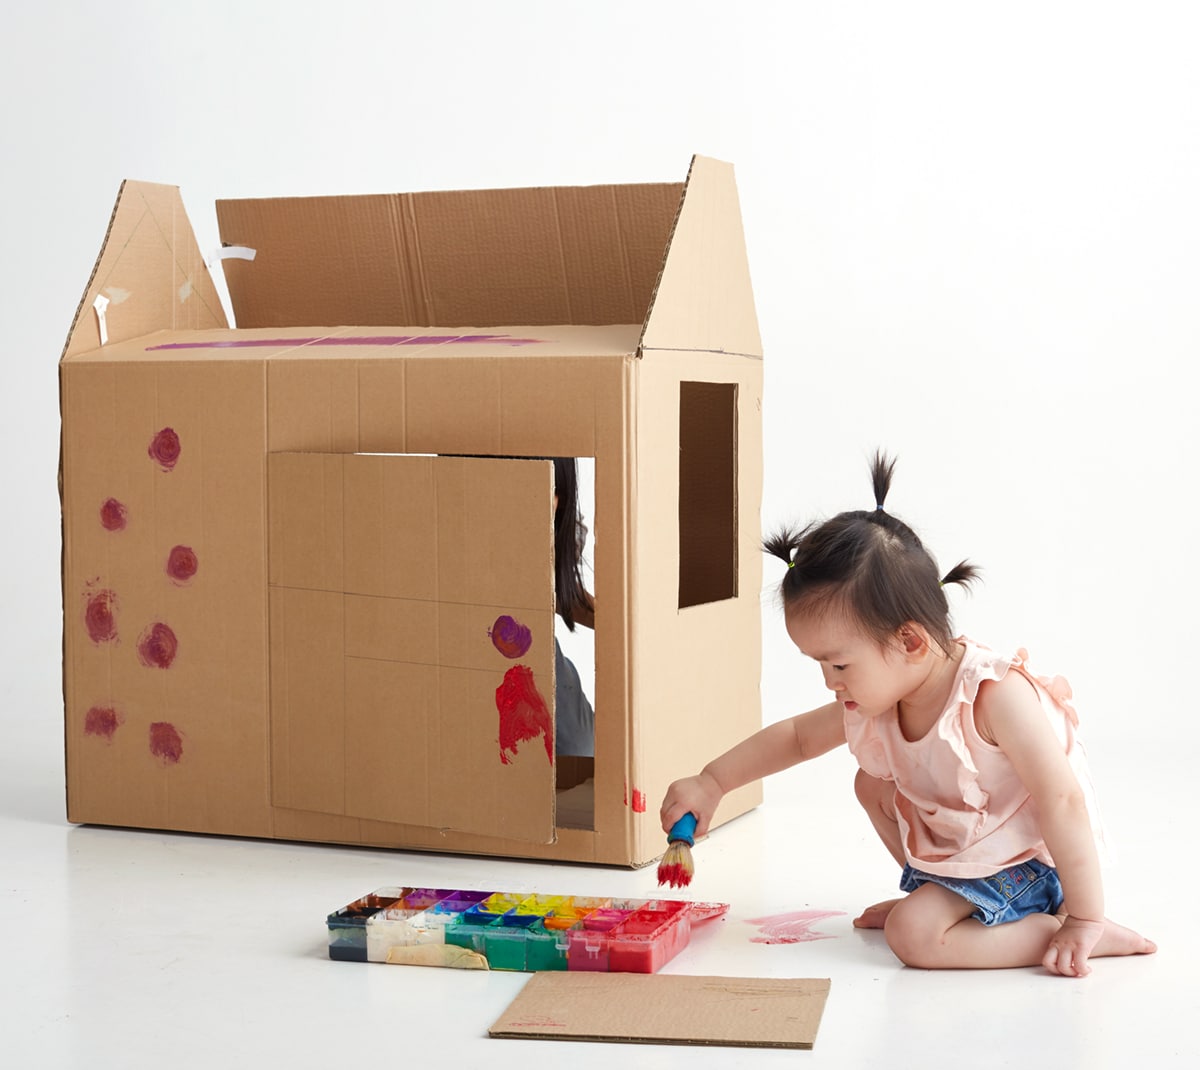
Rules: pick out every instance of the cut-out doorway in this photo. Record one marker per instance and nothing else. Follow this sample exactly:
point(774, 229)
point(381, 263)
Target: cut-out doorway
point(575, 804)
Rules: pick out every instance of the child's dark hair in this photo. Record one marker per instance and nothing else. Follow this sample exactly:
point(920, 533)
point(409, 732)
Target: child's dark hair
point(570, 592)
point(871, 566)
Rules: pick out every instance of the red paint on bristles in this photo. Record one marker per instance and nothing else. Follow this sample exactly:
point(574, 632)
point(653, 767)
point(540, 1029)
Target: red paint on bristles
point(676, 867)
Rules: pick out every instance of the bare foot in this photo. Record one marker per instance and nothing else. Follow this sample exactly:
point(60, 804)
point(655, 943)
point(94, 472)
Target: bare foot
point(874, 916)
point(1117, 940)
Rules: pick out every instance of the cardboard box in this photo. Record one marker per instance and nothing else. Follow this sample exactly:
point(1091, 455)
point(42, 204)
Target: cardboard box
point(289, 547)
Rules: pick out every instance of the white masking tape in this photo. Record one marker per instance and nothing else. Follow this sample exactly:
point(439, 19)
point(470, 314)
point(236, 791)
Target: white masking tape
point(101, 307)
point(232, 252)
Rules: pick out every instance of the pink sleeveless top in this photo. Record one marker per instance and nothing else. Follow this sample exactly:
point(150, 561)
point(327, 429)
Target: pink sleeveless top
point(963, 810)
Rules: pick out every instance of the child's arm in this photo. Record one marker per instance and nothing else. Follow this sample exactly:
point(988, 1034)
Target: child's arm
point(776, 747)
point(1010, 713)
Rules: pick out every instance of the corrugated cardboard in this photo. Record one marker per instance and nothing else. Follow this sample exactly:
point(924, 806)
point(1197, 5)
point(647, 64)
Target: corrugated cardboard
point(757, 1012)
point(286, 543)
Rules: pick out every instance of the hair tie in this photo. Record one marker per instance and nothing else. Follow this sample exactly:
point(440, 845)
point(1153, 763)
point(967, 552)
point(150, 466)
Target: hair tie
point(879, 508)
point(791, 564)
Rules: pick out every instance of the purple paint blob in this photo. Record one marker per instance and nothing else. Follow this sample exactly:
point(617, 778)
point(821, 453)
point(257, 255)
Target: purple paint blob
point(157, 646)
point(165, 742)
point(510, 637)
point(100, 616)
point(113, 515)
point(792, 928)
point(164, 449)
point(102, 721)
point(181, 565)
point(350, 340)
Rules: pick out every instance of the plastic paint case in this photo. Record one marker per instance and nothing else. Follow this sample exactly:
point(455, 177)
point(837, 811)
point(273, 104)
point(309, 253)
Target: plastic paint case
point(519, 931)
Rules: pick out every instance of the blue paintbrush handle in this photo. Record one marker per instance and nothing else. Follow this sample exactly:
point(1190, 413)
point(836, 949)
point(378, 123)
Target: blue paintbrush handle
point(684, 830)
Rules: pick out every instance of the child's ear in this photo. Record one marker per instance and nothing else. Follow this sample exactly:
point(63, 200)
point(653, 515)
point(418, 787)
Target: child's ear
point(914, 640)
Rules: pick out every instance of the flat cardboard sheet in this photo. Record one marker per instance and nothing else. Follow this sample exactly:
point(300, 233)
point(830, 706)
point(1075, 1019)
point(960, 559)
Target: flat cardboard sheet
point(756, 1012)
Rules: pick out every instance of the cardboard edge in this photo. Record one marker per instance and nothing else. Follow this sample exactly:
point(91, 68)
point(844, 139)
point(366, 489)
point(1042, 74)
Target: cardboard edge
point(666, 254)
point(87, 287)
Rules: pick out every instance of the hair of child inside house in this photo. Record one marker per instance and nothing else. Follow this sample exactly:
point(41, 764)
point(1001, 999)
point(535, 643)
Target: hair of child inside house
point(870, 565)
point(575, 720)
point(572, 601)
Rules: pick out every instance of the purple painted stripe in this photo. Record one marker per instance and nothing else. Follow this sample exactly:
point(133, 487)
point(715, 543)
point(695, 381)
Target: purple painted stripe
point(357, 340)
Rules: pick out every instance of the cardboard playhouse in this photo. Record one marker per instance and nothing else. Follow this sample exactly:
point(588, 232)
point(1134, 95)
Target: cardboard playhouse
point(308, 579)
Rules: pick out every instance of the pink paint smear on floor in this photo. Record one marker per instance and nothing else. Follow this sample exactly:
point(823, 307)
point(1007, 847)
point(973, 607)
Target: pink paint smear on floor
point(795, 927)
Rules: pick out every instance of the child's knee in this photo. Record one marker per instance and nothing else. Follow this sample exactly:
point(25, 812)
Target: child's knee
point(910, 937)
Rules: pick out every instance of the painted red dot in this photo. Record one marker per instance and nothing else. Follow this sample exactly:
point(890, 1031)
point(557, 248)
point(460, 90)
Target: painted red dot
point(100, 616)
point(164, 449)
point(165, 742)
point(157, 646)
point(639, 801)
point(113, 515)
point(102, 721)
point(182, 564)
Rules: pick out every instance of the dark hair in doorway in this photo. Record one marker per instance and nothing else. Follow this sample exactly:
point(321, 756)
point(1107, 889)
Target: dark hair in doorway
point(570, 592)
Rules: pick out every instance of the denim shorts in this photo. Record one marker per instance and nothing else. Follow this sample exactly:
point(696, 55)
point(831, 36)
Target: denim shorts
point(1027, 888)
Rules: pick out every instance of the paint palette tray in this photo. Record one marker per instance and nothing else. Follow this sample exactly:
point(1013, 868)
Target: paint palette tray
point(514, 930)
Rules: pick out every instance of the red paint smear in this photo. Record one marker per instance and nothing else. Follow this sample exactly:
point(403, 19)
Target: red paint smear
point(182, 564)
point(639, 801)
point(792, 928)
point(164, 449)
point(157, 646)
point(100, 616)
point(511, 637)
point(165, 742)
point(113, 515)
point(523, 713)
point(102, 721)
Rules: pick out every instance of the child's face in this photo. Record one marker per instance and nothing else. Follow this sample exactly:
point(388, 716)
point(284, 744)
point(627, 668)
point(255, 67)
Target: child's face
point(864, 677)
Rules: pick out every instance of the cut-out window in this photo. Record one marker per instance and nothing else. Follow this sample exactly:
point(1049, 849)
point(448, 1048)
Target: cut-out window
point(707, 492)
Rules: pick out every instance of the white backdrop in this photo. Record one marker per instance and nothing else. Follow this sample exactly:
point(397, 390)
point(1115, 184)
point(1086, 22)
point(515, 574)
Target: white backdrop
point(973, 231)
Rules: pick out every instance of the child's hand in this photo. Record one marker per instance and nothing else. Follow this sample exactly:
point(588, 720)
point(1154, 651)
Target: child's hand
point(1071, 945)
point(698, 794)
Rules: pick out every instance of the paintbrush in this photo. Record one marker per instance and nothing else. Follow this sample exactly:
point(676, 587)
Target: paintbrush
point(676, 867)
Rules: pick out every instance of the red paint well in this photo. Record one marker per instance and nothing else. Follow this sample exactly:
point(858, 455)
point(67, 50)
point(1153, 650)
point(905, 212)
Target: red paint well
point(157, 646)
point(182, 564)
point(164, 449)
point(523, 713)
point(102, 721)
point(113, 515)
point(100, 616)
point(165, 742)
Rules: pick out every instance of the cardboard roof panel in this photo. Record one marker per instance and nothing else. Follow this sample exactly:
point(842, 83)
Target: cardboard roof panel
point(704, 301)
point(149, 271)
point(586, 255)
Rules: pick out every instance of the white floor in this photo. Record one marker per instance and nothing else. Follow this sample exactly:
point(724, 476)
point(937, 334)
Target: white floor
point(139, 949)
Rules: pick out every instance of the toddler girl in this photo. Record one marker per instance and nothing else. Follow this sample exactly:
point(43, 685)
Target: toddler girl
point(970, 767)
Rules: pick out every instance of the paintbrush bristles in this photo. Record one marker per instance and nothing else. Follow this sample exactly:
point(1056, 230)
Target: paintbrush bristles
point(676, 867)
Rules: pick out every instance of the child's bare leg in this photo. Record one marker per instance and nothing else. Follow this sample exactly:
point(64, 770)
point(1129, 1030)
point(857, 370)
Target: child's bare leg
point(876, 797)
point(932, 928)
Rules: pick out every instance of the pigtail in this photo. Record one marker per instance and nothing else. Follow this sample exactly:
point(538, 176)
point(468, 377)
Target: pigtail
point(964, 574)
point(783, 543)
point(882, 468)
